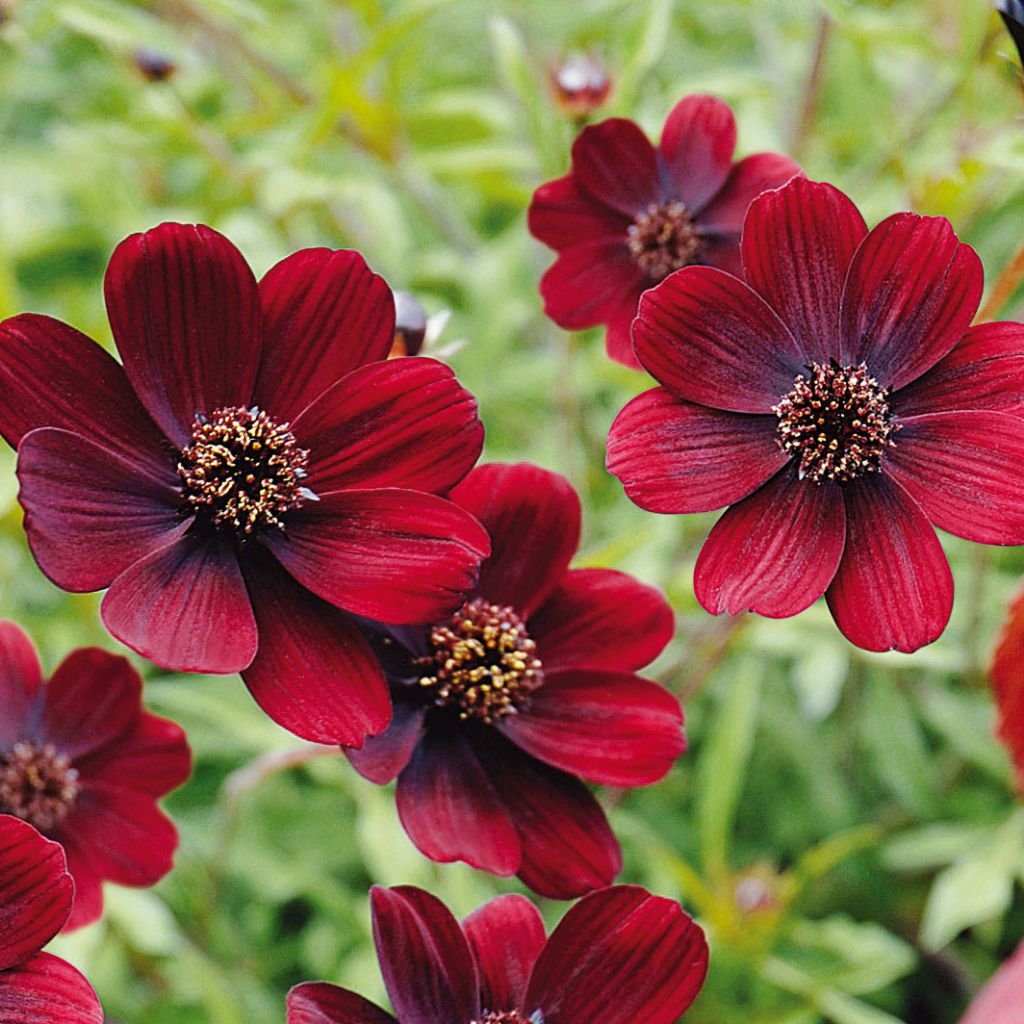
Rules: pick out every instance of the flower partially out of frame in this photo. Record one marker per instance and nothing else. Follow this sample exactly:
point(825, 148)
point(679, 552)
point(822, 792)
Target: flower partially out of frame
point(251, 476)
point(502, 708)
point(1002, 997)
point(629, 214)
point(84, 763)
point(35, 899)
point(619, 956)
point(842, 404)
point(1007, 677)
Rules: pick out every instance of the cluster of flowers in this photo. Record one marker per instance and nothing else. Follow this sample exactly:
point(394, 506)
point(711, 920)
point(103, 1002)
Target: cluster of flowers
point(260, 489)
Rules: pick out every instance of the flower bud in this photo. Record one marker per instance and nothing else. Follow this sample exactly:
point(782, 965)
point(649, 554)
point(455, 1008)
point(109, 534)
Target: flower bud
point(580, 85)
point(153, 65)
point(410, 325)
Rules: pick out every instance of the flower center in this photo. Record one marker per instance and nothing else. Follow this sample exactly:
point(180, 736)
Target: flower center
point(503, 1017)
point(37, 784)
point(663, 238)
point(242, 470)
point(483, 664)
point(836, 421)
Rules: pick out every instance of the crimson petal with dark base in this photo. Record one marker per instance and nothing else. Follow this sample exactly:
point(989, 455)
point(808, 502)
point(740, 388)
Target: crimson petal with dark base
point(383, 757)
point(561, 215)
point(749, 177)
point(20, 679)
point(47, 990)
point(697, 144)
point(615, 163)
point(590, 282)
point(316, 1002)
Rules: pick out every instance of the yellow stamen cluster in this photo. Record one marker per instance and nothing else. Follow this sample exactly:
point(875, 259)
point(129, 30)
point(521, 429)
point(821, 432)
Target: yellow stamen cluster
point(663, 238)
point(37, 784)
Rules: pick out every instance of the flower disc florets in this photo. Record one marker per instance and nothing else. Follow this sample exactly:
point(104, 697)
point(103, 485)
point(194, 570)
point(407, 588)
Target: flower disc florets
point(503, 1017)
point(37, 784)
point(837, 421)
point(483, 662)
point(242, 471)
point(663, 238)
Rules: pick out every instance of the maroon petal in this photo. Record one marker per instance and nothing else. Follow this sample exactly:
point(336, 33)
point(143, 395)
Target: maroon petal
point(391, 555)
point(450, 810)
point(601, 618)
point(615, 163)
point(673, 456)
point(1001, 998)
point(618, 338)
point(185, 608)
point(506, 936)
point(383, 757)
point(47, 990)
point(314, 673)
point(697, 144)
point(748, 178)
point(325, 313)
point(1006, 674)
point(85, 390)
point(426, 961)
point(893, 590)
point(562, 215)
point(710, 339)
point(90, 514)
point(985, 371)
point(608, 727)
point(316, 1002)
point(400, 423)
point(590, 283)
point(88, 906)
point(35, 892)
point(568, 846)
point(723, 253)
point(533, 518)
point(798, 242)
point(775, 552)
point(184, 308)
point(965, 470)
point(620, 956)
point(911, 294)
point(20, 680)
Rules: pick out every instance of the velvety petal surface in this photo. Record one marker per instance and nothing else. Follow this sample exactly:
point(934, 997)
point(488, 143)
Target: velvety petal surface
point(615, 163)
point(562, 215)
point(697, 144)
point(89, 513)
point(618, 338)
point(620, 956)
point(316, 1002)
point(590, 283)
point(400, 423)
point(673, 456)
point(894, 588)
point(749, 177)
point(911, 294)
point(47, 990)
point(20, 680)
point(607, 727)
point(798, 242)
point(88, 880)
point(775, 552)
point(324, 314)
point(185, 608)
point(1002, 998)
point(426, 961)
point(710, 339)
point(382, 757)
point(601, 618)
point(1007, 677)
point(184, 308)
point(388, 554)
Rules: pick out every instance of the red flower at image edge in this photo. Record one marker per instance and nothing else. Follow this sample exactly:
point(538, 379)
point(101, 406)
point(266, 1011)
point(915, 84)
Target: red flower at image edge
point(628, 214)
point(842, 404)
point(255, 466)
point(619, 956)
point(501, 709)
point(1001, 999)
point(81, 761)
point(35, 899)
point(1007, 677)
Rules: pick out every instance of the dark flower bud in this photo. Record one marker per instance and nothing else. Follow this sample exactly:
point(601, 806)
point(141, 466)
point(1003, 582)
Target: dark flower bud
point(410, 325)
point(153, 65)
point(1012, 12)
point(580, 84)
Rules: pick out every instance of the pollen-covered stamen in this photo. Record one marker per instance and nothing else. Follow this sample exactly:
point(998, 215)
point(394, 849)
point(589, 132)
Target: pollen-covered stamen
point(504, 1017)
point(837, 421)
point(663, 238)
point(483, 664)
point(37, 784)
point(242, 471)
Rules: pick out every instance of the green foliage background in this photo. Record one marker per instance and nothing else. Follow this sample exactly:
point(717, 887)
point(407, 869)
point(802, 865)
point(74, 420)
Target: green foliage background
point(843, 823)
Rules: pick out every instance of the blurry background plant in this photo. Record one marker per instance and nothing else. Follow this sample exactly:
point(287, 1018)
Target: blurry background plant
point(844, 823)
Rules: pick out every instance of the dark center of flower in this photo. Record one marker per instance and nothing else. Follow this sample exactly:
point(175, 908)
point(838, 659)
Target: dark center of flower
point(663, 238)
point(482, 663)
point(242, 471)
point(836, 421)
point(502, 1017)
point(37, 784)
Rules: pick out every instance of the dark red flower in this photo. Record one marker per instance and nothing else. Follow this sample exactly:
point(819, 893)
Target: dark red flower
point(1007, 676)
point(35, 899)
point(84, 763)
point(627, 215)
point(254, 467)
point(619, 956)
point(502, 708)
point(841, 402)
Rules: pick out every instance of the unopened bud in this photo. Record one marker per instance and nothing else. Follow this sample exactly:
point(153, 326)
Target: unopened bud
point(580, 84)
point(410, 325)
point(153, 65)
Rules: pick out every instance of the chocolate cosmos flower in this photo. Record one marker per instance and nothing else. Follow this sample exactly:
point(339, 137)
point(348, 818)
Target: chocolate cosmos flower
point(628, 214)
point(619, 956)
point(254, 466)
point(841, 403)
point(35, 900)
point(502, 708)
point(84, 763)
